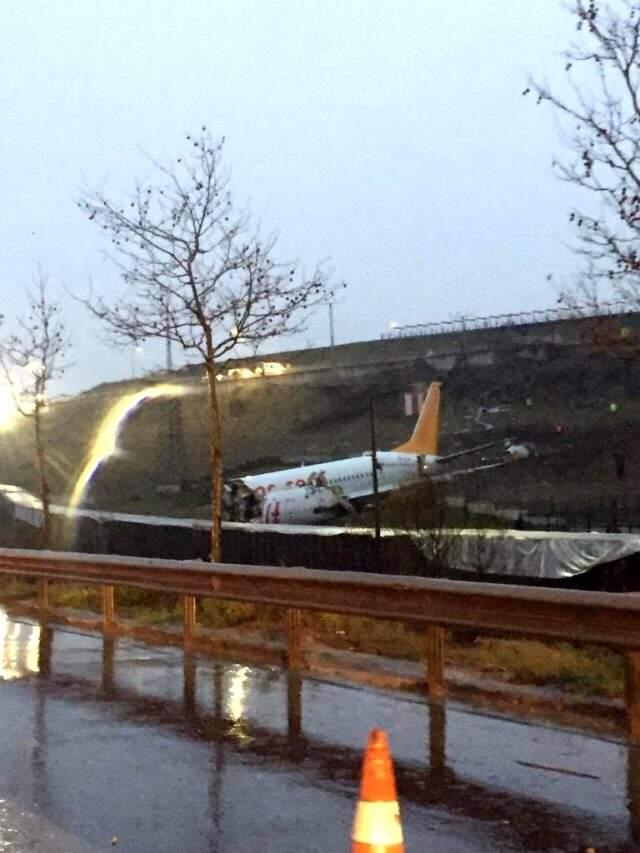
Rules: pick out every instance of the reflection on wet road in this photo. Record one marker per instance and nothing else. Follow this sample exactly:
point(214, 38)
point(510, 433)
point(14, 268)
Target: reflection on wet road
point(111, 745)
point(18, 648)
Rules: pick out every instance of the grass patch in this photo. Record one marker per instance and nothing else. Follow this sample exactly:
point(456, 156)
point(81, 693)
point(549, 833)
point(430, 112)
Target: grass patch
point(17, 588)
point(74, 597)
point(147, 607)
point(585, 671)
point(230, 614)
point(588, 671)
point(373, 636)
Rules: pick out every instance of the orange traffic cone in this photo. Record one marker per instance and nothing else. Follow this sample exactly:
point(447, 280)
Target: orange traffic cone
point(376, 826)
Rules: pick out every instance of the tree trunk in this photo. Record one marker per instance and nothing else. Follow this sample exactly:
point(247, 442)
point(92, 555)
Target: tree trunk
point(42, 473)
point(215, 456)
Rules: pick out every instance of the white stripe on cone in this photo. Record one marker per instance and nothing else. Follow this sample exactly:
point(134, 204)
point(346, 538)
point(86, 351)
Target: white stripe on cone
point(377, 823)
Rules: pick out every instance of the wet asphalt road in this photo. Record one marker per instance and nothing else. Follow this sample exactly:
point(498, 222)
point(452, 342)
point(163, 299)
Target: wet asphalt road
point(118, 746)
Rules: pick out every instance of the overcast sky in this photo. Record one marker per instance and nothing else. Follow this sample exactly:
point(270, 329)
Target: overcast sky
point(387, 135)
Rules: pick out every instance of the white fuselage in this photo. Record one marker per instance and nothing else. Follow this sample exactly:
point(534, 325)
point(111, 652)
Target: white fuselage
point(352, 478)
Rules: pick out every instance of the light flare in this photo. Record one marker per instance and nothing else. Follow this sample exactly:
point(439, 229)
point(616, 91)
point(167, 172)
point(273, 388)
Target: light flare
point(8, 410)
point(105, 443)
point(16, 394)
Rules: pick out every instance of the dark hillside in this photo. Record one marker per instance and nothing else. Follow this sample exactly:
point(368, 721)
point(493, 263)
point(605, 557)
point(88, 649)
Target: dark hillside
point(537, 384)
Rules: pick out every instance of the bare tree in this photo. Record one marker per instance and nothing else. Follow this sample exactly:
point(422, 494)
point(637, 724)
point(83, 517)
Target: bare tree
point(611, 335)
point(197, 273)
point(421, 511)
point(32, 358)
point(599, 115)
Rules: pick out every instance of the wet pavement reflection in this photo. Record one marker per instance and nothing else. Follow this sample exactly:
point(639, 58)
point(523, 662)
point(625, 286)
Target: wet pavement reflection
point(18, 648)
point(105, 743)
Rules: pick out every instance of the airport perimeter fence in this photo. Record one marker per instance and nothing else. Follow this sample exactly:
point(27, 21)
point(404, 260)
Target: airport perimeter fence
point(605, 516)
point(497, 321)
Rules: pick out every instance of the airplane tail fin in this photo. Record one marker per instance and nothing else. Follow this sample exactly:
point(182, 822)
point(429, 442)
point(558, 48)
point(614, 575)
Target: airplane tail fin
point(424, 439)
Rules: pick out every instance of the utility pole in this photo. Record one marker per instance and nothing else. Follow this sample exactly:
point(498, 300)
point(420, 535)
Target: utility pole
point(374, 469)
point(169, 353)
point(176, 457)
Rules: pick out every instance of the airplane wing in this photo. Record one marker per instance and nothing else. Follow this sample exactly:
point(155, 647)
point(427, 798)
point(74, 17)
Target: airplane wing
point(478, 447)
point(364, 499)
point(450, 475)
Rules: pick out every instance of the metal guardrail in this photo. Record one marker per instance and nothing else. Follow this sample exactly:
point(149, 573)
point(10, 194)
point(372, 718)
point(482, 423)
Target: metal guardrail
point(597, 618)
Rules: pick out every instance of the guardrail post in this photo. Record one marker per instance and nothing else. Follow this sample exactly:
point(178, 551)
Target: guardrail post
point(294, 704)
point(42, 596)
point(188, 617)
point(107, 595)
point(632, 692)
point(218, 691)
point(434, 659)
point(437, 738)
point(633, 791)
point(45, 648)
point(189, 684)
point(108, 663)
point(294, 639)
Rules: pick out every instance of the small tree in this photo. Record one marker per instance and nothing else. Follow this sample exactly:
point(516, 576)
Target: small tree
point(195, 272)
point(421, 511)
point(600, 119)
point(32, 358)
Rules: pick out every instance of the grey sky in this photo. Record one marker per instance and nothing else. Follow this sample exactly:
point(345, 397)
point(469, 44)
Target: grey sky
point(389, 136)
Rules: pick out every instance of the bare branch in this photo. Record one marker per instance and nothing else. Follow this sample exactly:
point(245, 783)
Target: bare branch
point(600, 121)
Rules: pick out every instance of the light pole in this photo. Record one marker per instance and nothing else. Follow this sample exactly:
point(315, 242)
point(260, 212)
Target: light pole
point(332, 338)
